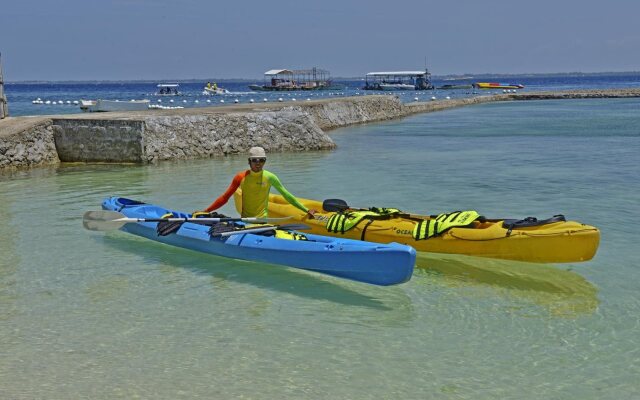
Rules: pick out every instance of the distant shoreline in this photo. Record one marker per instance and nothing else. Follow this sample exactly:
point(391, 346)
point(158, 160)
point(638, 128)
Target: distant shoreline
point(466, 76)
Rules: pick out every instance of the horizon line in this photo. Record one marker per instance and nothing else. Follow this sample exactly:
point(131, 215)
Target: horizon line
point(461, 75)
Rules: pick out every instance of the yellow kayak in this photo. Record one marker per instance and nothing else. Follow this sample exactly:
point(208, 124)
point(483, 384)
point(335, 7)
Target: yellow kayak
point(550, 241)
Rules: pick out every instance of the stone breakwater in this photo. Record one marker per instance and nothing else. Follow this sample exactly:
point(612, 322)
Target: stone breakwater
point(33, 146)
point(156, 135)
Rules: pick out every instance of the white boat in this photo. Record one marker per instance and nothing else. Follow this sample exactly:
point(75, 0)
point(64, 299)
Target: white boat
point(215, 90)
point(113, 105)
point(398, 80)
point(168, 89)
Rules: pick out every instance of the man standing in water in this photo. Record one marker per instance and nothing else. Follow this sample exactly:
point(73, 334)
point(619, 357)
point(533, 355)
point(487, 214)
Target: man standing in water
point(256, 183)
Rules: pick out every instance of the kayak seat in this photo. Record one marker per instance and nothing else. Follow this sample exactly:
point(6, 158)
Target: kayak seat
point(129, 202)
point(531, 221)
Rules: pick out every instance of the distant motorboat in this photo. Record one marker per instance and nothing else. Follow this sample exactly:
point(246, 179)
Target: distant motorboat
point(113, 105)
point(496, 85)
point(168, 89)
point(214, 90)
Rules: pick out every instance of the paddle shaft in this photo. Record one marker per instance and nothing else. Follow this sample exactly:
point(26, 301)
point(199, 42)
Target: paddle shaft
point(187, 219)
point(111, 220)
point(258, 229)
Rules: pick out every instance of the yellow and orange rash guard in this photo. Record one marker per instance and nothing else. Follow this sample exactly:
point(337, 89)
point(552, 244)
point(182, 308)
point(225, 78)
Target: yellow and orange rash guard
point(255, 193)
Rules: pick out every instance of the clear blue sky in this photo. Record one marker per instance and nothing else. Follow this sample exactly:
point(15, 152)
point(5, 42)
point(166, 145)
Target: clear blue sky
point(182, 39)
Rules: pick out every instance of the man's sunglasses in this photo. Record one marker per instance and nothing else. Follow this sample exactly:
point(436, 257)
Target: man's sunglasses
point(257, 160)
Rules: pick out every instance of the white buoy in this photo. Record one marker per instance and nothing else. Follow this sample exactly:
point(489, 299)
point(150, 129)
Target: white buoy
point(415, 99)
point(68, 101)
point(184, 101)
point(159, 100)
point(76, 102)
point(308, 99)
point(236, 101)
point(433, 98)
point(171, 101)
point(251, 101)
point(222, 101)
point(208, 100)
point(280, 99)
point(294, 99)
point(448, 98)
point(265, 100)
point(196, 101)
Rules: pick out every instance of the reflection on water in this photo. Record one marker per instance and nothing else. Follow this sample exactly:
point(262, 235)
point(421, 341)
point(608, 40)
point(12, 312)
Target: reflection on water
point(392, 300)
point(562, 292)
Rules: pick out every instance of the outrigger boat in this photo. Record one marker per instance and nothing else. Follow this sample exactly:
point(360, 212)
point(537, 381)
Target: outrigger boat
point(398, 80)
point(374, 263)
point(553, 240)
point(277, 80)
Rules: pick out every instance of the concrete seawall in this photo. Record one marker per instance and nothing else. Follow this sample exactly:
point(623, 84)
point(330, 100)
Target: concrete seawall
point(151, 136)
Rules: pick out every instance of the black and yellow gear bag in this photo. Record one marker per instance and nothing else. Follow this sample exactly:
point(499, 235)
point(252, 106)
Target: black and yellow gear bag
point(427, 228)
point(342, 222)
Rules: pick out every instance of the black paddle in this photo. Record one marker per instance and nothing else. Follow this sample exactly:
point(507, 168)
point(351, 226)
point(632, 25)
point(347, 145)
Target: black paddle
point(112, 220)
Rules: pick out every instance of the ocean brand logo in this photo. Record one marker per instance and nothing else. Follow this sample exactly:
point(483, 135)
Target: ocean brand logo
point(401, 231)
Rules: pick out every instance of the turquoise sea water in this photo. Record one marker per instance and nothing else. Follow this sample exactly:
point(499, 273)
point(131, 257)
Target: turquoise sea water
point(104, 316)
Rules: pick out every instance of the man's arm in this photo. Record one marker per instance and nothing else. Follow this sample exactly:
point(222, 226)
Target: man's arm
point(222, 200)
point(275, 182)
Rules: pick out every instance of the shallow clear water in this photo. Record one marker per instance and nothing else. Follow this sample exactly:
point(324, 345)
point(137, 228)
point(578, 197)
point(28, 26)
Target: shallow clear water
point(93, 315)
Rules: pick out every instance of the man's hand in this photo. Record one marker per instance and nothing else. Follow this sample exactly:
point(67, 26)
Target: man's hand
point(310, 213)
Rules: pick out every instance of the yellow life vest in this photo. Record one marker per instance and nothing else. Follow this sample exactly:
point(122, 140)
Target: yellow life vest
point(342, 222)
point(432, 227)
point(281, 234)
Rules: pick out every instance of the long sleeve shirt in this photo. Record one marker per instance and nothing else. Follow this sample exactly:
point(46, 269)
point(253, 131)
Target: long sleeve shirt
point(255, 193)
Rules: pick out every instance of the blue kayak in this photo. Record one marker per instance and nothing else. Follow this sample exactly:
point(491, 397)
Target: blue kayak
point(374, 263)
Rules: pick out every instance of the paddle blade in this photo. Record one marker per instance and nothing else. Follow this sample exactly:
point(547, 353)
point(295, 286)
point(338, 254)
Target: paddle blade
point(102, 220)
point(335, 205)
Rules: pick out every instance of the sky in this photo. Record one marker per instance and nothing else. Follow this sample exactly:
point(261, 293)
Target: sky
point(53, 40)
